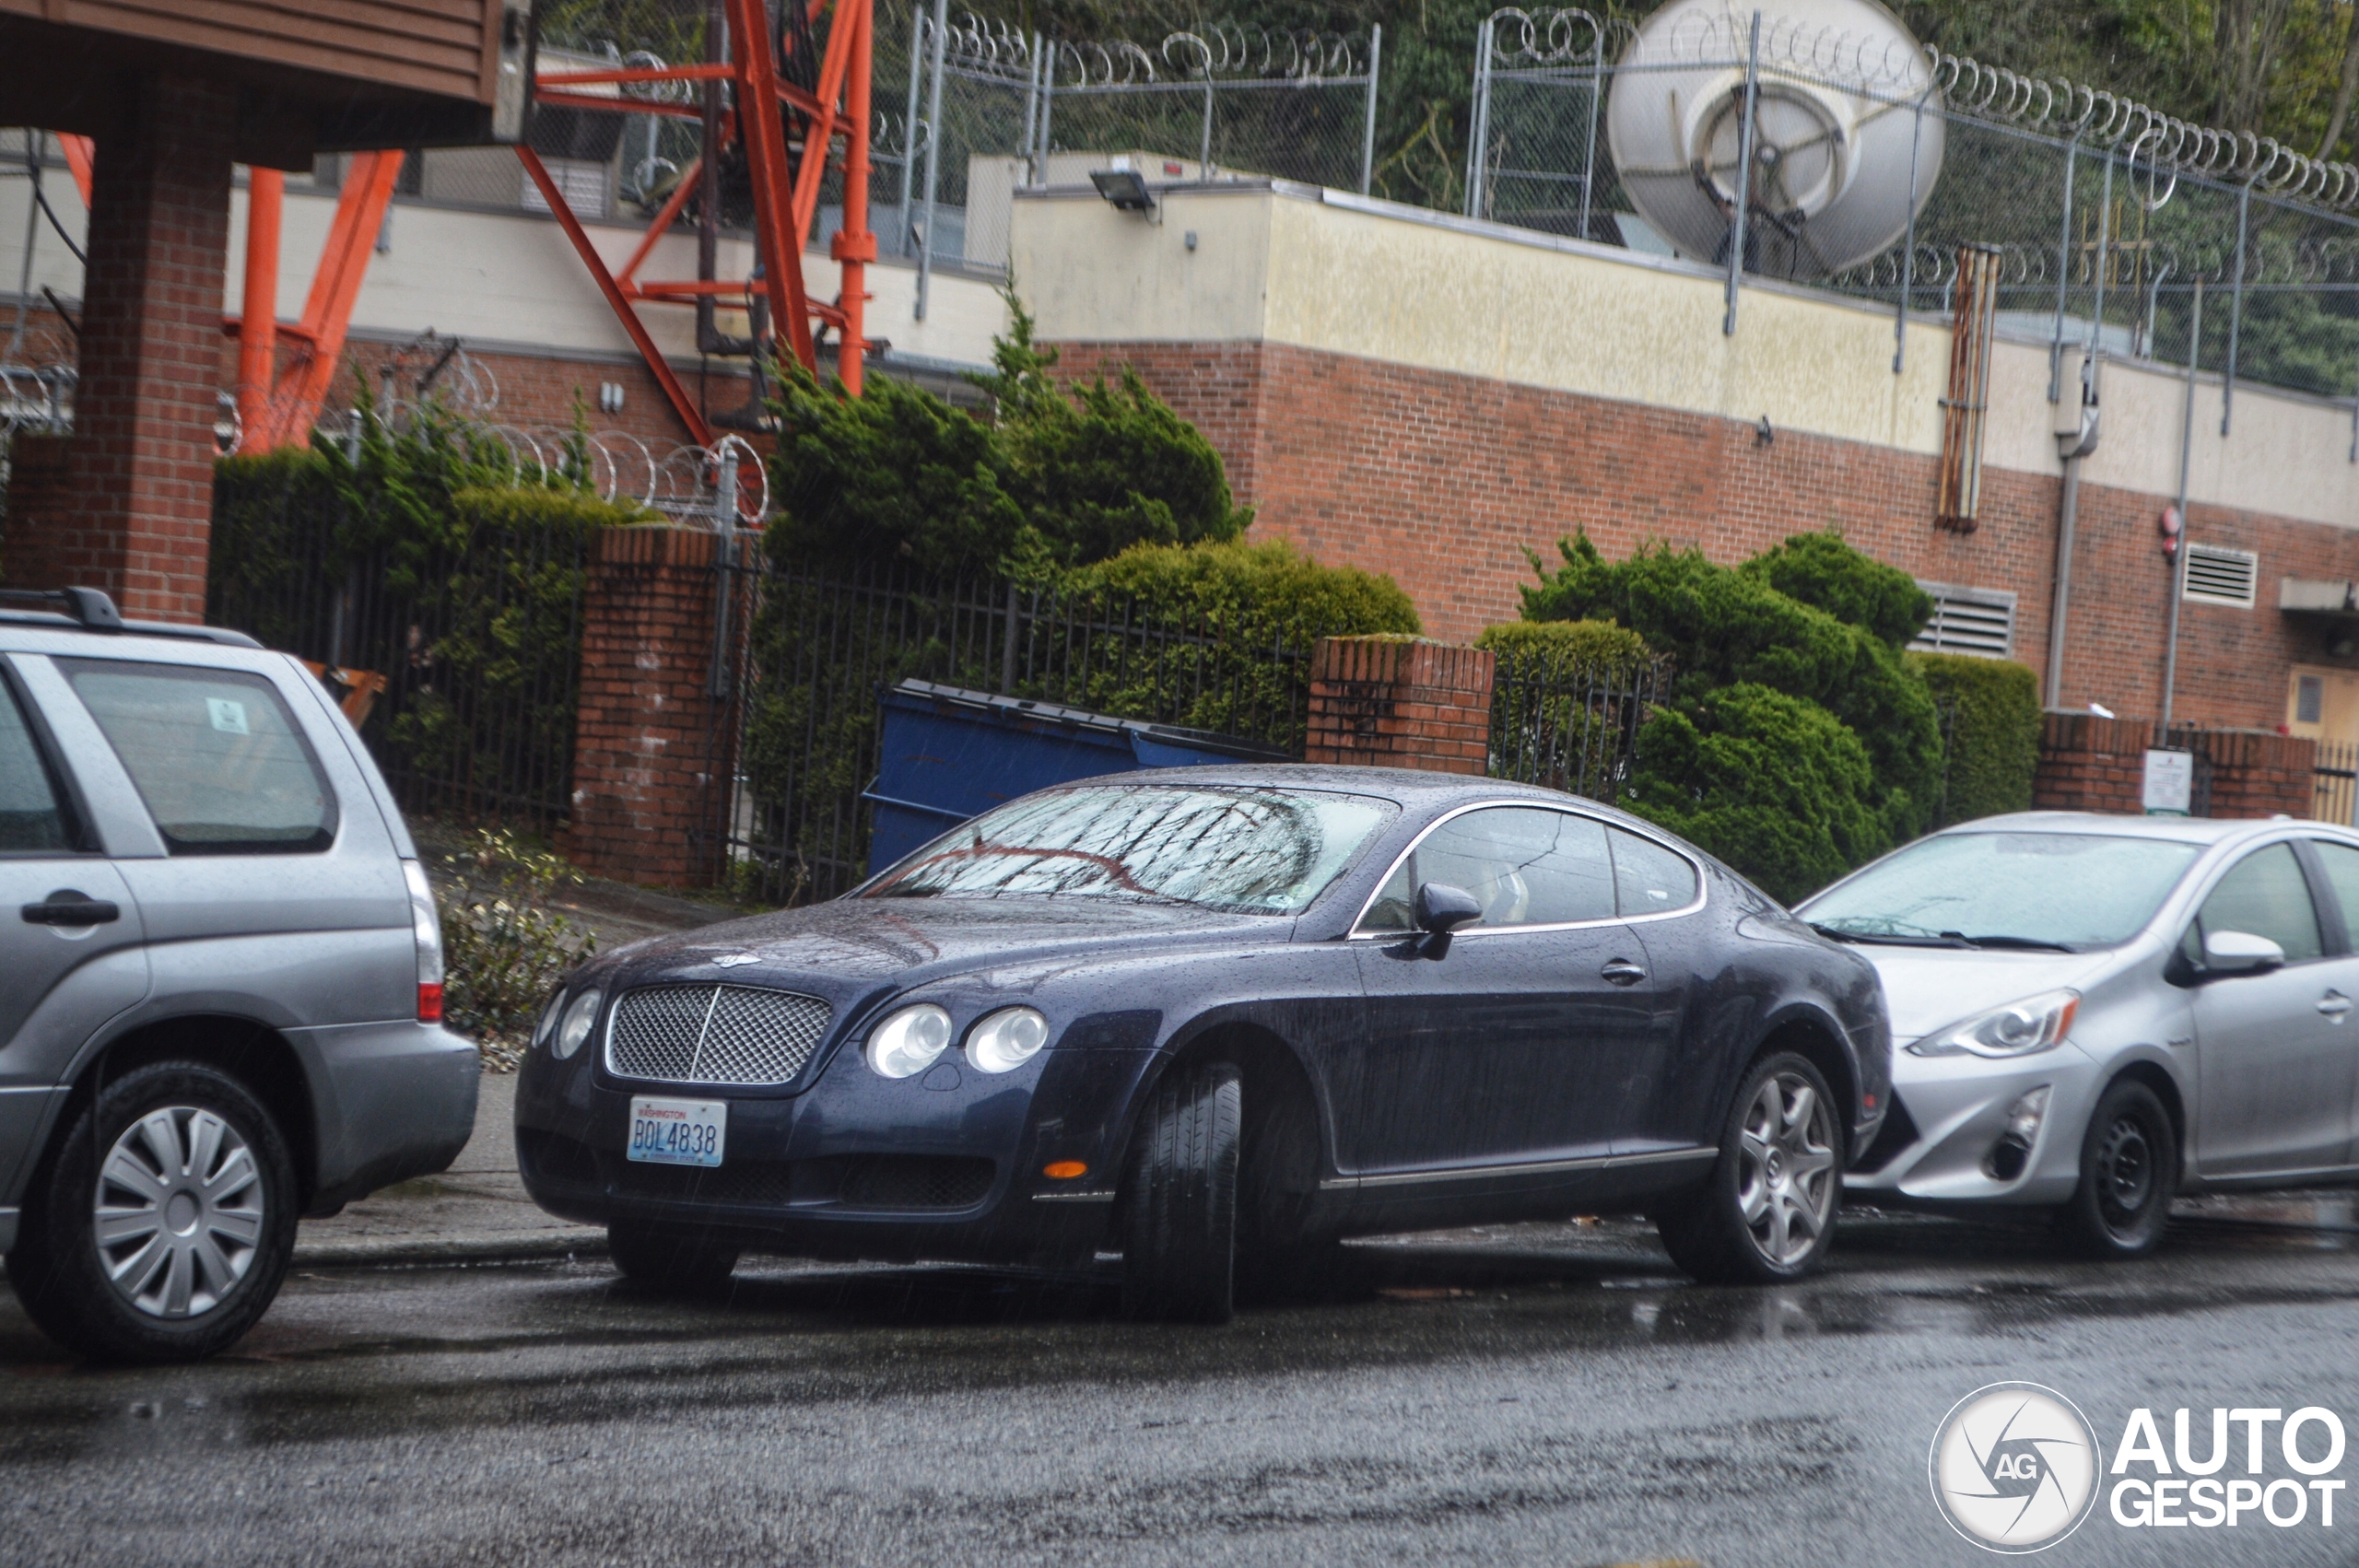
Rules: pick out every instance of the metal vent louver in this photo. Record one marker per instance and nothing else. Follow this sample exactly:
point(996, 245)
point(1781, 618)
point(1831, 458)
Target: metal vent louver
point(1980, 621)
point(709, 1034)
point(2220, 575)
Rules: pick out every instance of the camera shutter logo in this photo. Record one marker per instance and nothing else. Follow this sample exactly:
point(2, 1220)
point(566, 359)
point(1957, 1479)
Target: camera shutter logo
point(2014, 1467)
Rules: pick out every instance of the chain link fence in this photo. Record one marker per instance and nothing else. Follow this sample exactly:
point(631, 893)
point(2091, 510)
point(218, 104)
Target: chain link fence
point(2118, 230)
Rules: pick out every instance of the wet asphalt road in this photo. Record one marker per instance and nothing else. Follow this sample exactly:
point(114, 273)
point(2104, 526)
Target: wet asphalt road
point(1540, 1394)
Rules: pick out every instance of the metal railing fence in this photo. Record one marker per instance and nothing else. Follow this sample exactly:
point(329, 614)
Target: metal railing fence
point(821, 647)
point(1571, 726)
point(2337, 774)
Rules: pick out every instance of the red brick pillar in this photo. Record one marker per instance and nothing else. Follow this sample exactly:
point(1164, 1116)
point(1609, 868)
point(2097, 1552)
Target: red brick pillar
point(652, 748)
point(133, 517)
point(2088, 764)
point(1400, 702)
point(2258, 773)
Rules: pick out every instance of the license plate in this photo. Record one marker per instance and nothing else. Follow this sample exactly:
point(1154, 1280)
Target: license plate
point(677, 1132)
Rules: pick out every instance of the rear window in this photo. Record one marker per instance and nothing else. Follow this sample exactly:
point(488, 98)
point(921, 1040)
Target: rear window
point(214, 755)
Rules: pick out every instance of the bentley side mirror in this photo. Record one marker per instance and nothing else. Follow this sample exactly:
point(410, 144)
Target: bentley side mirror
point(1443, 908)
point(2231, 953)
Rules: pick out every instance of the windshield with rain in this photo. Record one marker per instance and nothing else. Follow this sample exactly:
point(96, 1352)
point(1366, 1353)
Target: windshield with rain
point(2067, 891)
point(1263, 851)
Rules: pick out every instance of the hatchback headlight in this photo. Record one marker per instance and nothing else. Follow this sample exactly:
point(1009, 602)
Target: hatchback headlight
point(2036, 1024)
point(1007, 1039)
point(909, 1041)
point(580, 1019)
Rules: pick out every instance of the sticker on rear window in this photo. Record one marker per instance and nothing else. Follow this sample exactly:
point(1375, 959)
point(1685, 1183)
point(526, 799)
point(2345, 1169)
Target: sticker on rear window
point(229, 717)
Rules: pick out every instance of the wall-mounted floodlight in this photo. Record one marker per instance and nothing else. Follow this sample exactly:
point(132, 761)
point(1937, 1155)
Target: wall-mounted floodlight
point(1126, 188)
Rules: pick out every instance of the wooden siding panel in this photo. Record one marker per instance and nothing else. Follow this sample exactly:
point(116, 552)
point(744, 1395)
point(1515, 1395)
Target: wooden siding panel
point(435, 46)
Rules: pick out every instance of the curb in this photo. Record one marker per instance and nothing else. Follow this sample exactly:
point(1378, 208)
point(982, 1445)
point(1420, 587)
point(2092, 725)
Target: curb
point(394, 1252)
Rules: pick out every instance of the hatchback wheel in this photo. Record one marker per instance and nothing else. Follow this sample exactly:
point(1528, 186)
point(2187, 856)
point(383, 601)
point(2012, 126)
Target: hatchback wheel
point(1180, 1199)
point(164, 1226)
point(669, 1259)
point(1766, 1212)
point(2128, 1171)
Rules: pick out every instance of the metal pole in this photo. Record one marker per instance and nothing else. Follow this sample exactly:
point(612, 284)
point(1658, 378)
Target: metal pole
point(2104, 257)
point(1482, 119)
point(1743, 176)
point(1589, 143)
point(1031, 105)
point(933, 153)
point(1205, 159)
point(1007, 647)
point(2063, 270)
point(910, 132)
point(1368, 125)
point(2066, 518)
point(2179, 556)
point(2235, 309)
point(1048, 103)
point(1909, 251)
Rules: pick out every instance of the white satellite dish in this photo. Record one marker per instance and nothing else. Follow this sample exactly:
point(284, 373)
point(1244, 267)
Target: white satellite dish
point(1839, 145)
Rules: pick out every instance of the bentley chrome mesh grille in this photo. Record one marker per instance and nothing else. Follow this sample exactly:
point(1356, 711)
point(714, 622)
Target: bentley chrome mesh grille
point(704, 1034)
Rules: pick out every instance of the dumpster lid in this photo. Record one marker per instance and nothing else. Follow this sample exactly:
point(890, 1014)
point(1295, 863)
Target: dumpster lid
point(1017, 710)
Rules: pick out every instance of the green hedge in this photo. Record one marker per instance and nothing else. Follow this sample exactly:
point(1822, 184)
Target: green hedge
point(1990, 713)
point(1568, 645)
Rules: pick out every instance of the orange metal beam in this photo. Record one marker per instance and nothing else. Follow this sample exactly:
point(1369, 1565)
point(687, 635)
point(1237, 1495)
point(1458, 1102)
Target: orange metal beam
point(766, 156)
point(81, 156)
point(258, 329)
point(344, 262)
point(663, 222)
point(682, 404)
point(853, 246)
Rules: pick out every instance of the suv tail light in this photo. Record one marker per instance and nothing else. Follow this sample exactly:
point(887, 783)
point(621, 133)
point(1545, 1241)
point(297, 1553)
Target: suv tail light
point(429, 931)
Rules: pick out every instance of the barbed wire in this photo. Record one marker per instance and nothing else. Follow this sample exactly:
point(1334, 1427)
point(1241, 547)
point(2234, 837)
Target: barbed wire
point(1884, 62)
point(36, 399)
point(1223, 51)
point(1556, 37)
point(2270, 263)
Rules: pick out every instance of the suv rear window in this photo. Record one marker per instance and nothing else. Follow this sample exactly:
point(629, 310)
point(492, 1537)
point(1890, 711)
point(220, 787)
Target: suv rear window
point(30, 820)
point(214, 753)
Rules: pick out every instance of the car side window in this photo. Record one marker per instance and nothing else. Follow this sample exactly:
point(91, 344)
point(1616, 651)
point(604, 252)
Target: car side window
point(1648, 878)
point(214, 755)
point(2265, 894)
point(1526, 866)
point(2342, 863)
point(31, 820)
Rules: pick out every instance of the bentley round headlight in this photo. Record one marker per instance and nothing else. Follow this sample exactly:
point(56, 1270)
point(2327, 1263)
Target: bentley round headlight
point(1007, 1039)
point(550, 1011)
point(580, 1019)
point(909, 1041)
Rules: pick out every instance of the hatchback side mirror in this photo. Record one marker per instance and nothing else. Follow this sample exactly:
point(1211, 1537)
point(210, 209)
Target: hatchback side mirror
point(2240, 952)
point(1443, 908)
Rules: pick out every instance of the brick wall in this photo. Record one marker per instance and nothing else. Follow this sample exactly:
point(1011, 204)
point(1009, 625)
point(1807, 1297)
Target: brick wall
point(2260, 773)
point(132, 514)
point(2089, 764)
point(650, 752)
point(1391, 702)
point(1445, 482)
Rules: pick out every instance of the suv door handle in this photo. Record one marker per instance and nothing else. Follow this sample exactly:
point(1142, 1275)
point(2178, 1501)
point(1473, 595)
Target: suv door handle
point(70, 907)
point(1622, 972)
point(2334, 1004)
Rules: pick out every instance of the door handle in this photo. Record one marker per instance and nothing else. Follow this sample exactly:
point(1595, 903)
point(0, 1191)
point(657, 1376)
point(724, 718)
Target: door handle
point(2334, 1004)
point(70, 907)
point(1622, 972)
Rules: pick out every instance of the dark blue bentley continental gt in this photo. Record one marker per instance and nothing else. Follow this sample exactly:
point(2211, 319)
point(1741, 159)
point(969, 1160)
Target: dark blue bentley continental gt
point(1217, 1019)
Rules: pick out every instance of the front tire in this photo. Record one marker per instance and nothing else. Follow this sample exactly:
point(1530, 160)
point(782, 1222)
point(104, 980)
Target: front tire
point(1180, 1199)
point(669, 1259)
point(1766, 1214)
point(165, 1225)
point(2128, 1171)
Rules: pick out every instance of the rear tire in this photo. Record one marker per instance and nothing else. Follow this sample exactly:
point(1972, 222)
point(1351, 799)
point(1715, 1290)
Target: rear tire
point(163, 1227)
point(1766, 1216)
point(2128, 1171)
point(1180, 1199)
point(669, 1259)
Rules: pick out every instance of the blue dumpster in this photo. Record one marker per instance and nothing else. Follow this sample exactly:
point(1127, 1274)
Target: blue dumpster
point(948, 753)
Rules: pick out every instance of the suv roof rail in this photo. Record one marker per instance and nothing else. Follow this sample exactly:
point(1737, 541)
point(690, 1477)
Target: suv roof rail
point(90, 609)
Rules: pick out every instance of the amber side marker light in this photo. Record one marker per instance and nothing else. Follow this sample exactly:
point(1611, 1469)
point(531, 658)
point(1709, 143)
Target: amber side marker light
point(1064, 1170)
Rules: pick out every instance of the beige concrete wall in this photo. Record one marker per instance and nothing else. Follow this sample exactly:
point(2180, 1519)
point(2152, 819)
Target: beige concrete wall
point(1345, 275)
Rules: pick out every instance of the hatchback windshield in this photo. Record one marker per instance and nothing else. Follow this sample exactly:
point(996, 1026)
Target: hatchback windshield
point(2064, 890)
point(1267, 851)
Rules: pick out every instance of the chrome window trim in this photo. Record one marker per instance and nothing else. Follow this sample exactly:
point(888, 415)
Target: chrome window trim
point(1467, 933)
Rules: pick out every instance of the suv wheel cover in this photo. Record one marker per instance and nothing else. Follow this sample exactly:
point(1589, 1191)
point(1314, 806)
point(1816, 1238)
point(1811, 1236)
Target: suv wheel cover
point(179, 1211)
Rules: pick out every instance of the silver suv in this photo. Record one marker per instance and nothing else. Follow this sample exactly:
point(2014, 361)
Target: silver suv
point(221, 988)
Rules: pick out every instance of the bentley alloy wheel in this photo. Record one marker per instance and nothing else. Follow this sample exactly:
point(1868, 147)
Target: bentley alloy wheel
point(1766, 1212)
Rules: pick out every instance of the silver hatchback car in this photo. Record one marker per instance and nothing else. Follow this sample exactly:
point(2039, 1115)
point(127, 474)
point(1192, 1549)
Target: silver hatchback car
point(221, 995)
point(2094, 1013)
